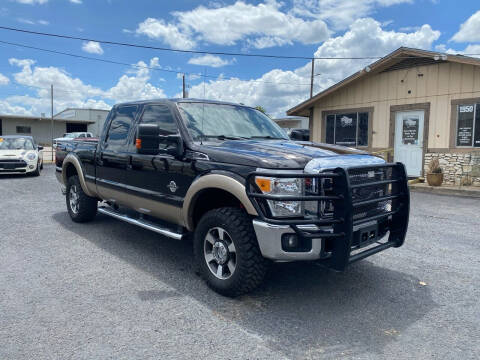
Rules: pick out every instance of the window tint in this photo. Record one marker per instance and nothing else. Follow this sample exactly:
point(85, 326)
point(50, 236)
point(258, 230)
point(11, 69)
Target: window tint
point(349, 129)
point(330, 129)
point(161, 115)
point(120, 126)
point(23, 130)
point(362, 137)
point(468, 125)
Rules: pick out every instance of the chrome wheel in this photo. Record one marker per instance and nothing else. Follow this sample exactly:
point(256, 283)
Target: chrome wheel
point(74, 198)
point(219, 252)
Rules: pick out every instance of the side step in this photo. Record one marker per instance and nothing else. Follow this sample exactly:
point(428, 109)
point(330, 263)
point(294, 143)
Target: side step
point(142, 223)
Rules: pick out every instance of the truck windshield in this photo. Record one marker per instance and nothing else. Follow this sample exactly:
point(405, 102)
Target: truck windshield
point(208, 120)
point(15, 144)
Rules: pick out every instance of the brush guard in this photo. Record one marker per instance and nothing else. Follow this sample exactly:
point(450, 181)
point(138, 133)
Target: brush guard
point(343, 230)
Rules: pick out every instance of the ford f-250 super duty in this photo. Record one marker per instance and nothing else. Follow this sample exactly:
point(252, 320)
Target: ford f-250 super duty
point(229, 175)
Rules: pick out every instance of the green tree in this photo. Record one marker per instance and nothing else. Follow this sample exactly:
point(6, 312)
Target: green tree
point(261, 108)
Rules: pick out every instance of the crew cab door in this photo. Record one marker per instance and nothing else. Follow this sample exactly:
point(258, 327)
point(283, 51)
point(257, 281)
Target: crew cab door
point(113, 155)
point(158, 181)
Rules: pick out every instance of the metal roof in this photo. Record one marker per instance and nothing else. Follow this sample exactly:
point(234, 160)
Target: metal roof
point(384, 64)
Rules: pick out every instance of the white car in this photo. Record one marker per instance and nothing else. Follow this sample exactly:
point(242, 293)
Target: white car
point(20, 154)
point(71, 136)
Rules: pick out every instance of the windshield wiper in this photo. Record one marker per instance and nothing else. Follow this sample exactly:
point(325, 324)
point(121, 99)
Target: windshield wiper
point(267, 137)
point(224, 137)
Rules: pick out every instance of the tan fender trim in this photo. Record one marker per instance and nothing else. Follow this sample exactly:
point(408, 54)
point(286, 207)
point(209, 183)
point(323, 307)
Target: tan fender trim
point(72, 159)
point(214, 181)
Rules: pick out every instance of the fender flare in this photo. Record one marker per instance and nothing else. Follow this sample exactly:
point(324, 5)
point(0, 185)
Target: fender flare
point(214, 181)
point(75, 161)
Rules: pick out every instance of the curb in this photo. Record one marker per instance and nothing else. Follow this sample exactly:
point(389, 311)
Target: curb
point(471, 193)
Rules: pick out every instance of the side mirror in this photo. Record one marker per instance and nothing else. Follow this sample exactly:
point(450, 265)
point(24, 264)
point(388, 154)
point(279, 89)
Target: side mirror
point(147, 140)
point(177, 149)
point(40, 148)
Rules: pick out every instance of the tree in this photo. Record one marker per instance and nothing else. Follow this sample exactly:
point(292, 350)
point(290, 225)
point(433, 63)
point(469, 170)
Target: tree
point(261, 108)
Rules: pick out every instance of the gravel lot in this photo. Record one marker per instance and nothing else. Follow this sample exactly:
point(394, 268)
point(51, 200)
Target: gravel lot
point(111, 290)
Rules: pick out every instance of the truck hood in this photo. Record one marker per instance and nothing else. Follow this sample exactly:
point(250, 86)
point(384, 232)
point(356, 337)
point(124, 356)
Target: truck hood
point(272, 154)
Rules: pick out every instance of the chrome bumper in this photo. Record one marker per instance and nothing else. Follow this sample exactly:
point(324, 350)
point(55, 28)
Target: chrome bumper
point(269, 238)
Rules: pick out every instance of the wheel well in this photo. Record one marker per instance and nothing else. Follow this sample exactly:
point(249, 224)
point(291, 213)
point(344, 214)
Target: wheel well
point(210, 199)
point(70, 170)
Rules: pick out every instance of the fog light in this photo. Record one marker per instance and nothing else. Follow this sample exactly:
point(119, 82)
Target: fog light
point(292, 243)
point(31, 166)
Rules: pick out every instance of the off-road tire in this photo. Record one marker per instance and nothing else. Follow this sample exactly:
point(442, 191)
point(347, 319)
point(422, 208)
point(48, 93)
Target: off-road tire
point(87, 206)
point(250, 268)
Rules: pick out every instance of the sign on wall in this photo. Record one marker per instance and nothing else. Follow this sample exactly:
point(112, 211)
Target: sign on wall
point(410, 130)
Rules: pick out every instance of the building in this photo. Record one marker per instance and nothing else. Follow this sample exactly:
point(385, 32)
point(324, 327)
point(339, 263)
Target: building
point(293, 122)
point(414, 103)
point(40, 127)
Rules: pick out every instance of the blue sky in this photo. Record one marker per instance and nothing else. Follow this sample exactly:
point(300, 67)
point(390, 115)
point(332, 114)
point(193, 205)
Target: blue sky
point(334, 28)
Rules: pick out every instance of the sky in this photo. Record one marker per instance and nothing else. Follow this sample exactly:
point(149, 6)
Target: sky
point(304, 28)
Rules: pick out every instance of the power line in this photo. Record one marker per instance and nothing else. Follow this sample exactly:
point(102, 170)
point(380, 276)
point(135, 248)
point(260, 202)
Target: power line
point(109, 42)
point(218, 77)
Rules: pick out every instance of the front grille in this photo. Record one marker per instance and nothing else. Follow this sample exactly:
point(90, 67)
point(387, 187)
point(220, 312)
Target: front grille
point(367, 192)
point(10, 164)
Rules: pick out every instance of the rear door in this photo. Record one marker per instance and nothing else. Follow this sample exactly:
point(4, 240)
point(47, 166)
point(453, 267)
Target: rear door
point(113, 156)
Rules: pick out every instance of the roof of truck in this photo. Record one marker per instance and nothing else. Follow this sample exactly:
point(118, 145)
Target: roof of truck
point(177, 100)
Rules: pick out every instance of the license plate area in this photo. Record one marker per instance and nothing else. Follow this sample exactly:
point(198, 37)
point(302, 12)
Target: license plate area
point(365, 235)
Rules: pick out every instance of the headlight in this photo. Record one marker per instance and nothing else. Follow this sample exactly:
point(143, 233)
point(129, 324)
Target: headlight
point(282, 187)
point(31, 156)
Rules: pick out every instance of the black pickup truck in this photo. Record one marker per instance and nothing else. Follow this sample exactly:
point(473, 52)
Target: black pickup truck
point(227, 174)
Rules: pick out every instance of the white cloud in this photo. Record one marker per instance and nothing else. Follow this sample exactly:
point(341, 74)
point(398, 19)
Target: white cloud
point(469, 30)
point(76, 1)
point(31, 2)
point(264, 25)
point(32, 22)
point(73, 92)
point(210, 60)
point(168, 33)
point(4, 80)
point(364, 38)
point(340, 13)
point(92, 47)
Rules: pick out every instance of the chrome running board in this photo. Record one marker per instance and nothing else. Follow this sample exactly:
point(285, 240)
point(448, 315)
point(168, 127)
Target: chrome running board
point(141, 222)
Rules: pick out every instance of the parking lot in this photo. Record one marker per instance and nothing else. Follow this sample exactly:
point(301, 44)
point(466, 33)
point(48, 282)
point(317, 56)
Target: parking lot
point(107, 289)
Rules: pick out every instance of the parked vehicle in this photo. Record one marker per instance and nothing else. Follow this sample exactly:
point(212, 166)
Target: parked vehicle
point(71, 136)
point(227, 174)
point(299, 134)
point(20, 154)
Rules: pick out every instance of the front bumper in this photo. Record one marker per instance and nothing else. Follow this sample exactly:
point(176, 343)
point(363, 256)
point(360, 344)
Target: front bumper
point(17, 166)
point(269, 240)
point(358, 225)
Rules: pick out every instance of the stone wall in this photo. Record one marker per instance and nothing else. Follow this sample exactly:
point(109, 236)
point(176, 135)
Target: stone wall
point(458, 168)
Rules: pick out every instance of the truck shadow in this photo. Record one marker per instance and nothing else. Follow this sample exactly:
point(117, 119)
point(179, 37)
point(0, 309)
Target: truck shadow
point(301, 310)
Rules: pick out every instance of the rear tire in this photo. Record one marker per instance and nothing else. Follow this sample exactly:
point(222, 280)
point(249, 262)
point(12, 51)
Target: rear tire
point(227, 253)
point(81, 207)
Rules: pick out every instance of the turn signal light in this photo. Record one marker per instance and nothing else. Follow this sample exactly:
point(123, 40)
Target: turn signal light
point(265, 185)
point(138, 143)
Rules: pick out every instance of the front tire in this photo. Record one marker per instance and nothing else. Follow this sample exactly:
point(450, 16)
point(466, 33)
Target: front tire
point(37, 170)
point(81, 207)
point(227, 252)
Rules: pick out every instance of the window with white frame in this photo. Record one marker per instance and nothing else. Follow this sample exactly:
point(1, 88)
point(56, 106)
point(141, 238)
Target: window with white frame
point(347, 129)
point(468, 125)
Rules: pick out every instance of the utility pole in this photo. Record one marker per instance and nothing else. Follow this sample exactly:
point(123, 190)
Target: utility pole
point(311, 78)
point(184, 94)
point(51, 104)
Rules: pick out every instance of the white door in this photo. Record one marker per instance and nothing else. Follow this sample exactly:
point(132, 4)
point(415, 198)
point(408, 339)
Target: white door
point(409, 140)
